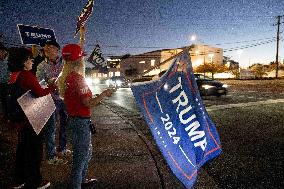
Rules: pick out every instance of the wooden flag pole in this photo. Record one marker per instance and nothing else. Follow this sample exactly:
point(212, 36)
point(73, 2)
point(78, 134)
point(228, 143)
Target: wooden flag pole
point(82, 37)
point(34, 51)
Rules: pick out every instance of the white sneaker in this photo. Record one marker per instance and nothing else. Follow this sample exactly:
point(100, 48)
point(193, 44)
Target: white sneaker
point(19, 186)
point(89, 183)
point(44, 184)
point(66, 152)
point(56, 161)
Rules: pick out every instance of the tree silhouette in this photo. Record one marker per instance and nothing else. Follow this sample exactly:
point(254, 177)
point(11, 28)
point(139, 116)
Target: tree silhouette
point(211, 67)
point(259, 70)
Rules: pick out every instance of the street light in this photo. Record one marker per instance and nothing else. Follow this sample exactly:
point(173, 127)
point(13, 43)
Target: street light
point(193, 38)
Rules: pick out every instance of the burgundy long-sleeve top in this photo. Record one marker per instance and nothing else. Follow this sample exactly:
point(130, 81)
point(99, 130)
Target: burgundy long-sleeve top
point(28, 81)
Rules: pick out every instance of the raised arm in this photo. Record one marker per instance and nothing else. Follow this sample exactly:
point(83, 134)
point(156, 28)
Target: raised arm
point(93, 101)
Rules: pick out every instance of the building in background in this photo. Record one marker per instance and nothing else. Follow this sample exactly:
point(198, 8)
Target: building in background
point(131, 66)
point(137, 64)
point(113, 69)
point(201, 54)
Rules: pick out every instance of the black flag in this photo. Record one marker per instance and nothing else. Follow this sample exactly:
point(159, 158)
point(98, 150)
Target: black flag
point(98, 60)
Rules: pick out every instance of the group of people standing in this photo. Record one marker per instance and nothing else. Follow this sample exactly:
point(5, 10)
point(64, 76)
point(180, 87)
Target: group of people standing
point(64, 77)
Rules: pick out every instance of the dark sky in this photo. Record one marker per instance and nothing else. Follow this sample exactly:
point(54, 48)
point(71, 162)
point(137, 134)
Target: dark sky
point(137, 26)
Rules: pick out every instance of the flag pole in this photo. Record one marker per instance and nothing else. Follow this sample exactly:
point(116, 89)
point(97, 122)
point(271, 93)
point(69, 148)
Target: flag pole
point(34, 50)
point(82, 37)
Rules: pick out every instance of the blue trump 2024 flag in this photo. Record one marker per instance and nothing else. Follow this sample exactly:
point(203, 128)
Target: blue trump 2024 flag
point(182, 128)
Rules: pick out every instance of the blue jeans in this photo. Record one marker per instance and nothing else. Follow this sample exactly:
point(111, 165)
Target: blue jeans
point(49, 135)
point(50, 130)
point(82, 150)
point(62, 116)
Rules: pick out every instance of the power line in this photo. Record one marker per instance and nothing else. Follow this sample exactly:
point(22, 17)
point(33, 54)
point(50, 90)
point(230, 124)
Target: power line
point(246, 41)
point(249, 46)
point(230, 49)
point(224, 50)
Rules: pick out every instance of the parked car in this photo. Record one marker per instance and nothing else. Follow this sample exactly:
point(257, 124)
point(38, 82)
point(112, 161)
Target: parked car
point(117, 81)
point(210, 87)
point(207, 86)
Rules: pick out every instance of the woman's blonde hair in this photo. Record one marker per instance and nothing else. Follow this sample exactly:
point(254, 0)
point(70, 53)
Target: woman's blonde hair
point(77, 66)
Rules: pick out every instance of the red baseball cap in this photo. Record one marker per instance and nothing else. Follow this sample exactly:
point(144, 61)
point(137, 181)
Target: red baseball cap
point(72, 52)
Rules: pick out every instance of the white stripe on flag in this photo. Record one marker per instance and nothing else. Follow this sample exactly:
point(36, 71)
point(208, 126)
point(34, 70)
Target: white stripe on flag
point(159, 102)
point(185, 155)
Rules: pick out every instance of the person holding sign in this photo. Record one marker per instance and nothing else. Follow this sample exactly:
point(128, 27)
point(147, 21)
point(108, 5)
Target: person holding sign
point(79, 101)
point(29, 147)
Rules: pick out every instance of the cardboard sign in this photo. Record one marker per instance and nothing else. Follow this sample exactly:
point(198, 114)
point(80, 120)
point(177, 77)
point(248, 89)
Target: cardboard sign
point(34, 35)
point(37, 109)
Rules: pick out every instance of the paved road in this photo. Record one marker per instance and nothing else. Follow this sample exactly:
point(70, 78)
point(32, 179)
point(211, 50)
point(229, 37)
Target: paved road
point(240, 92)
point(250, 122)
point(252, 143)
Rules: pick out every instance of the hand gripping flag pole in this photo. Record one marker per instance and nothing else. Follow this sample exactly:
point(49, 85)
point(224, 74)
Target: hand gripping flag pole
point(178, 120)
point(82, 37)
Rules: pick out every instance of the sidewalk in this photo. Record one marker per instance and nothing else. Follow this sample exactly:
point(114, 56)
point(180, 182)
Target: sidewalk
point(124, 156)
point(120, 158)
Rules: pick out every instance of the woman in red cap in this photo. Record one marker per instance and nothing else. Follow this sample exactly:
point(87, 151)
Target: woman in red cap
point(79, 101)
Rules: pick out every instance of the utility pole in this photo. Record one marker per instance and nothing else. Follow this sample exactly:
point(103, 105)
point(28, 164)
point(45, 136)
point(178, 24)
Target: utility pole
point(277, 44)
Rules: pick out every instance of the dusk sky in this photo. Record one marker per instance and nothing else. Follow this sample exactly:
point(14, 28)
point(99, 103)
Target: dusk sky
point(138, 26)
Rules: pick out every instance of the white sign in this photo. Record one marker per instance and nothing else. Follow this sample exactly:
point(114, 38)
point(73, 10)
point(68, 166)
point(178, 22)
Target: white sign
point(37, 109)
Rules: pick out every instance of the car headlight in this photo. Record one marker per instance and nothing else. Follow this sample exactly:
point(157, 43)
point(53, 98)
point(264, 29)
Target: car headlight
point(96, 81)
point(108, 82)
point(118, 83)
point(225, 85)
point(207, 86)
point(89, 81)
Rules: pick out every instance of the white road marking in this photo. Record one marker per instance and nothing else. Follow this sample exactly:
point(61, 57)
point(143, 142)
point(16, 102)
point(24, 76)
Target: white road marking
point(246, 104)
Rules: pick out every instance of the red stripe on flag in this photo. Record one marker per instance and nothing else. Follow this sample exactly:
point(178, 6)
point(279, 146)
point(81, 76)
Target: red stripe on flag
point(189, 177)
